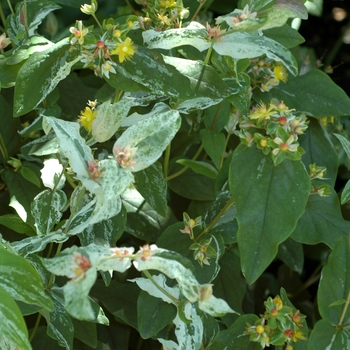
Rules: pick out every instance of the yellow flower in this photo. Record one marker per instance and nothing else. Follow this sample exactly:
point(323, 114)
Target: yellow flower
point(280, 73)
point(164, 19)
point(261, 112)
point(297, 335)
point(124, 50)
point(167, 3)
point(117, 33)
point(86, 118)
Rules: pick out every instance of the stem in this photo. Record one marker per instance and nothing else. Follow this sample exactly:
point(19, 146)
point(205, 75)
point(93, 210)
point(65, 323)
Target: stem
point(215, 117)
point(180, 172)
point(346, 306)
point(335, 49)
point(25, 17)
point(166, 160)
point(198, 9)
point(81, 195)
point(207, 57)
point(150, 277)
point(3, 149)
point(35, 327)
point(2, 16)
point(10, 7)
point(216, 219)
point(223, 155)
point(98, 22)
point(52, 276)
point(131, 8)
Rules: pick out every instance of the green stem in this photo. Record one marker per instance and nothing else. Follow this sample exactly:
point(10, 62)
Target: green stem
point(216, 219)
point(223, 155)
point(131, 8)
point(166, 160)
point(81, 195)
point(207, 57)
point(3, 149)
point(346, 306)
point(197, 11)
point(118, 95)
point(2, 16)
point(37, 322)
point(150, 277)
point(215, 117)
point(336, 47)
point(25, 17)
point(180, 172)
point(10, 7)
point(98, 22)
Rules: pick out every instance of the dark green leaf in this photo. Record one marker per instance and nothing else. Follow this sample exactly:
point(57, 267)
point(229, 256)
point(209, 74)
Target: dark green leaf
point(321, 222)
point(334, 284)
point(30, 176)
point(151, 183)
point(230, 275)
point(216, 117)
point(327, 336)
point(15, 223)
point(203, 168)
point(234, 338)
point(319, 149)
point(86, 332)
point(153, 314)
point(314, 93)
point(285, 35)
point(214, 144)
point(270, 200)
point(292, 254)
point(120, 299)
point(22, 193)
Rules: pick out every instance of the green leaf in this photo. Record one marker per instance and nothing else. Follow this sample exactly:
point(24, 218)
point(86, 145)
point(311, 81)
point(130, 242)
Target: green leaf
point(46, 210)
point(234, 337)
point(151, 184)
point(292, 254)
point(151, 135)
point(199, 167)
point(143, 221)
point(240, 45)
point(284, 9)
point(322, 220)
point(326, 336)
point(270, 200)
point(8, 73)
point(19, 278)
point(60, 325)
point(106, 232)
point(30, 176)
point(37, 10)
point(344, 142)
point(22, 193)
point(314, 93)
point(334, 283)
point(194, 35)
point(13, 327)
point(319, 149)
point(153, 315)
point(149, 69)
point(191, 185)
point(120, 299)
point(345, 195)
point(35, 244)
point(189, 335)
point(230, 275)
point(85, 332)
point(109, 118)
point(47, 69)
point(204, 80)
point(285, 35)
point(15, 223)
point(214, 144)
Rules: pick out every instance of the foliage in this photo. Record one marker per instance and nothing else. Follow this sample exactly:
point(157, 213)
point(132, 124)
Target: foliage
point(164, 180)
